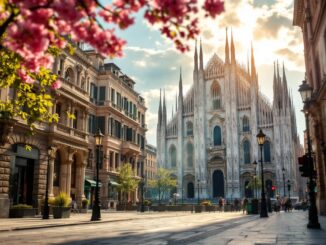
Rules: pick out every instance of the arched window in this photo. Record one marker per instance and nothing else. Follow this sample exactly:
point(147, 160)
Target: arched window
point(245, 124)
point(246, 151)
point(73, 172)
point(56, 169)
point(217, 135)
point(189, 128)
point(216, 95)
point(69, 75)
point(267, 151)
point(173, 156)
point(190, 154)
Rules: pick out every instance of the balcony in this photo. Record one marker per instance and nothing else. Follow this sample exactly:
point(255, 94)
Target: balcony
point(70, 132)
point(128, 147)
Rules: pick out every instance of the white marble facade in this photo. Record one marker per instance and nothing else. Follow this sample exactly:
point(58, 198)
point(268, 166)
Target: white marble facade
point(210, 142)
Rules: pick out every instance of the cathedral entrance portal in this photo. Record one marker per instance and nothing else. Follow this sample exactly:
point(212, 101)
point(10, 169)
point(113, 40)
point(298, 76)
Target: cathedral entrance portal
point(190, 190)
point(218, 183)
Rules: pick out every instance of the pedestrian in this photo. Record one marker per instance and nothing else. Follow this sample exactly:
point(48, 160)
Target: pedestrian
point(236, 205)
point(244, 205)
point(220, 204)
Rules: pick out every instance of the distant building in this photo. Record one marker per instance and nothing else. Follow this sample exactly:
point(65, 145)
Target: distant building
point(310, 16)
point(150, 162)
point(150, 167)
point(210, 142)
point(99, 95)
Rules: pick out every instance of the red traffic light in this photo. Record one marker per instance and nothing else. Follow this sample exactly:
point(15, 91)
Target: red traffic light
point(273, 188)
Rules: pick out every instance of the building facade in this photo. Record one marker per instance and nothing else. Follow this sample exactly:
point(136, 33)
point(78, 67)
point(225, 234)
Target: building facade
point(210, 142)
point(310, 16)
point(150, 162)
point(100, 96)
point(150, 168)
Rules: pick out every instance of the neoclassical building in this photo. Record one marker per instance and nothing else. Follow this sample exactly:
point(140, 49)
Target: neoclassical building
point(210, 142)
point(99, 95)
point(310, 16)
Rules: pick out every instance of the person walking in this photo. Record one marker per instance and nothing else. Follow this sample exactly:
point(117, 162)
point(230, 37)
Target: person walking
point(220, 204)
point(244, 205)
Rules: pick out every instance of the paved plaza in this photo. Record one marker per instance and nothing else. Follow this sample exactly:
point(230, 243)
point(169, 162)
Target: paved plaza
point(165, 228)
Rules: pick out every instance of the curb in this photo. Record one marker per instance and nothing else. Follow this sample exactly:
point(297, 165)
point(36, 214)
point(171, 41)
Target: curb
point(45, 226)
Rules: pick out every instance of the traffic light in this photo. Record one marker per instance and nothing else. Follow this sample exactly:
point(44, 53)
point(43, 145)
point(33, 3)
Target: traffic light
point(273, 188)
point(306, 166)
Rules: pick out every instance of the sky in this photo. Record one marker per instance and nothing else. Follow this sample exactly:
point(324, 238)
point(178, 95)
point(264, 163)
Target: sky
point(154, 63)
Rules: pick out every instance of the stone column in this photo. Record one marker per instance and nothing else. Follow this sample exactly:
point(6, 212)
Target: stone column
point(68, 181)
point(4, 182)
point(81, 182)
point(55, 66)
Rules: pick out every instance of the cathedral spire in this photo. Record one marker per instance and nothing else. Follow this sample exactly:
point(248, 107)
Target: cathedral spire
point(196, 57)
point(164, 108)
point(248, 67)
point(201, 61)
point(285, 89)
point(233, 61)
point(160, 109)
point(253, 66)
point(227, 51)
point(176, 102)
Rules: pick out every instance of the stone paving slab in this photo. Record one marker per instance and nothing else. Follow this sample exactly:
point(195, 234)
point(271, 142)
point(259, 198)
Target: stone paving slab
point(279, 228)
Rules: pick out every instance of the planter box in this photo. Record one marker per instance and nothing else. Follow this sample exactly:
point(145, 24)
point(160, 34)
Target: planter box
point(22, 212)
point(61, 212)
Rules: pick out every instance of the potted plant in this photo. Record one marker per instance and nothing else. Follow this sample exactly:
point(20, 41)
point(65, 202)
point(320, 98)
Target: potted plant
point(22, 210)
point(85, 204)
point(61, 208)
point(147, 204)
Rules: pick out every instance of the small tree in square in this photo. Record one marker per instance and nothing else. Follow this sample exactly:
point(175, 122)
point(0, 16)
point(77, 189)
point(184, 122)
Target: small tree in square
point(127, 181)
point(163, 183)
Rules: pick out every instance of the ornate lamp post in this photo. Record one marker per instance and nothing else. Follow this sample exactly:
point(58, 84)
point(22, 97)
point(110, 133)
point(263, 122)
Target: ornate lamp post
point(289, 188)
point(305, 92)
point(263, 209)
point(96, 211)
point(283, 171)
point(51, 151)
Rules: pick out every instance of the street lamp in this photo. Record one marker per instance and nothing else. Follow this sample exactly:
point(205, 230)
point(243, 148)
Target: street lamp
point(198, 181)
point(96, 212)
point(51, 151)
point(255, 179)
point(289, 188)
point(263, 209)
point(305, 92)
point(283, 171)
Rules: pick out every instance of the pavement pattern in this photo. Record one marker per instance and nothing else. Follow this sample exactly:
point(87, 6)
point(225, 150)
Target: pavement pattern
point(167, 228)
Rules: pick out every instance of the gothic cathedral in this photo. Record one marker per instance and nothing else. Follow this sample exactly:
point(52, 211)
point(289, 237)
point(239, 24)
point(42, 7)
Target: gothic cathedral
point(210, 142)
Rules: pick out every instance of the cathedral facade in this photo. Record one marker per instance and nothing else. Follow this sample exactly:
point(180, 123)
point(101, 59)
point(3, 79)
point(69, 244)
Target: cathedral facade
point(210, 142)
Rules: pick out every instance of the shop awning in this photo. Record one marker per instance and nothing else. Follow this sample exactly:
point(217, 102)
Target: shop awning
point(92, 183)
point(114, 183)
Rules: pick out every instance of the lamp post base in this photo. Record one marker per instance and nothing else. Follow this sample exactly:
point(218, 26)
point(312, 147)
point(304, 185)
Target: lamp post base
point(313, 225)
point(263, 209)
point(96, 213)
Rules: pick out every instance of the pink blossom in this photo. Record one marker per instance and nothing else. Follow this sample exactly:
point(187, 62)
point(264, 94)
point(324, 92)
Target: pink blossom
point(56, 85)
point(24, 76)
point(213, 7)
